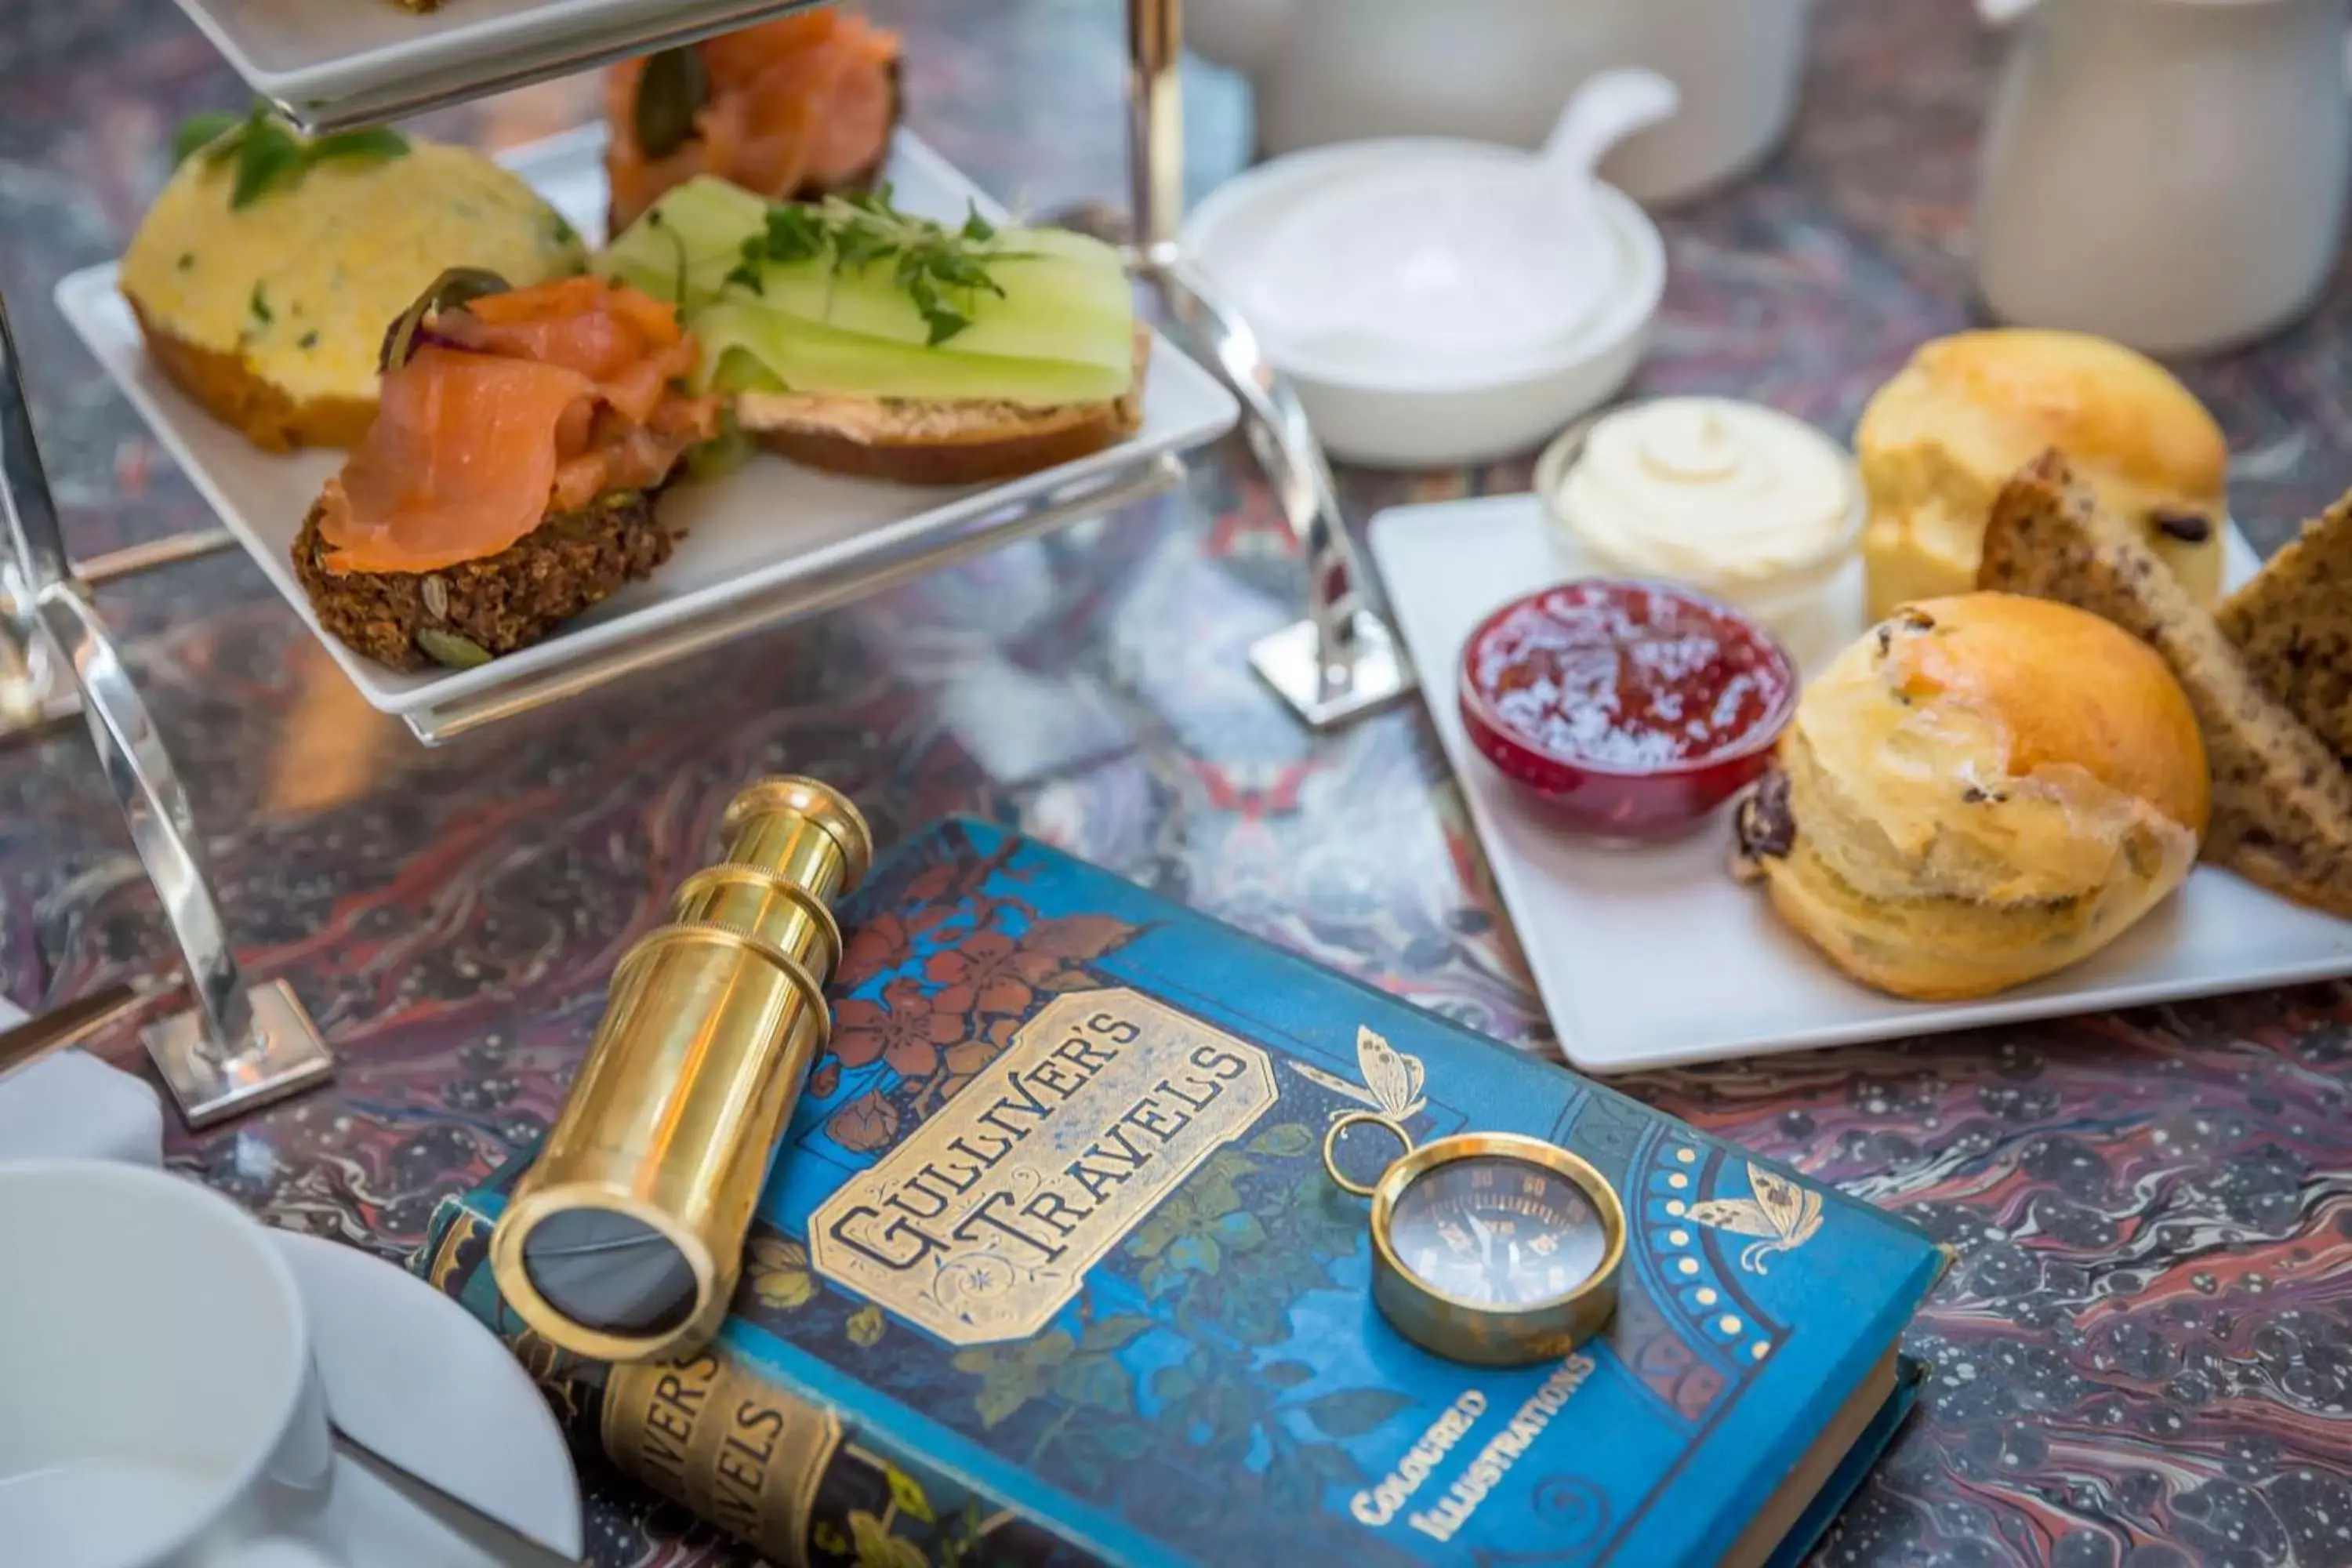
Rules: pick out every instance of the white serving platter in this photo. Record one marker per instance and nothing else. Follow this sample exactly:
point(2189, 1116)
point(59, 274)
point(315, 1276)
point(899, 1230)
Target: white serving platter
point(1647, 957)
point(762, 531)
point(340, 62)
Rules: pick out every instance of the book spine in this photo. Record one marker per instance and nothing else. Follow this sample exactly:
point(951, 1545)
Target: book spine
point(782, 1473)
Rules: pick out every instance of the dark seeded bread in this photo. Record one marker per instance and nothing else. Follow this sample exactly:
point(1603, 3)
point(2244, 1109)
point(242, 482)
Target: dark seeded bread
point(2294, 624)
point(500, 602)
point(2282, 802)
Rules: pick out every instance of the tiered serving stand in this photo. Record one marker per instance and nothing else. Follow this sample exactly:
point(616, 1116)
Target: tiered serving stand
point(240, 1046)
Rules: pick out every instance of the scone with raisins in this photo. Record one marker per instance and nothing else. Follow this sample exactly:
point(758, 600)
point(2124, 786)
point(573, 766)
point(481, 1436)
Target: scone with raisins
point(1936, 443)
point(1981, 791)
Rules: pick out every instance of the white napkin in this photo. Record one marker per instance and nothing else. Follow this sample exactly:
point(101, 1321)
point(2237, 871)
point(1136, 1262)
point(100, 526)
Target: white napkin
point(69, 1105)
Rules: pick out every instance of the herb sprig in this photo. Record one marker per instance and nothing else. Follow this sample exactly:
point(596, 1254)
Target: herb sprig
point(270, 155)
point(943, 270)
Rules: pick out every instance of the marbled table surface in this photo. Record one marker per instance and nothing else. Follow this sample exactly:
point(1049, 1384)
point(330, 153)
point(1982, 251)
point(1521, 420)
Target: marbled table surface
point(2145, 1356)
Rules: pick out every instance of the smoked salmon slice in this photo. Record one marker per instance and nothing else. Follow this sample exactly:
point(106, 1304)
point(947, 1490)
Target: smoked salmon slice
point(520, 406)
point(796, 107)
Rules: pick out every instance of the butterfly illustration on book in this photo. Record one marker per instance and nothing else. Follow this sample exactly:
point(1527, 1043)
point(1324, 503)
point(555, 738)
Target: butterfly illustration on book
point(1782, 1213)
point(1393, 1077)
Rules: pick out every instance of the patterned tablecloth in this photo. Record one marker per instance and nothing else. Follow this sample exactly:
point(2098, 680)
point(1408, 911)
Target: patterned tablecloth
point(2145, 1356)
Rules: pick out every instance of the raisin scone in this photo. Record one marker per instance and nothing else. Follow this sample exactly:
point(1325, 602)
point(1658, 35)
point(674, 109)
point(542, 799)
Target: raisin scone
point(2282, 800)
point(1944, 820)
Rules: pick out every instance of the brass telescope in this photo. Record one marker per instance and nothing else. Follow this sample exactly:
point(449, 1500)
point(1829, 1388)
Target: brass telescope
point(624, 1240)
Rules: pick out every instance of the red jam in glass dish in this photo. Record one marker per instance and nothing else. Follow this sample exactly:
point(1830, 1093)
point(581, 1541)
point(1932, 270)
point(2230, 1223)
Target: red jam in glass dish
point(1630, 709)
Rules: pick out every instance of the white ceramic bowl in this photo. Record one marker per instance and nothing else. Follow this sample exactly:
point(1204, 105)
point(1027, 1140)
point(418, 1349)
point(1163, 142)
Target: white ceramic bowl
point(1443, 416)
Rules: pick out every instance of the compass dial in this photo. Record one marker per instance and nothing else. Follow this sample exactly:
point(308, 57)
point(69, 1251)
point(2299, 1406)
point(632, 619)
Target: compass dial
point(1496, 1232)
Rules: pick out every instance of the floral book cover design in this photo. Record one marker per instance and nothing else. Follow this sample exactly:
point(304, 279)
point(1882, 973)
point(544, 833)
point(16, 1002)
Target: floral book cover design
point(1048, 1270)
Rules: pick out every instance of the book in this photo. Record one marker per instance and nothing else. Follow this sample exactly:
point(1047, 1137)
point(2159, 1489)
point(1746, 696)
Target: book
point(1012, 1300)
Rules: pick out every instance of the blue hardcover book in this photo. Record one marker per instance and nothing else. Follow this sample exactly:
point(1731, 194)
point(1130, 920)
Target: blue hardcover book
point(1010, 1300)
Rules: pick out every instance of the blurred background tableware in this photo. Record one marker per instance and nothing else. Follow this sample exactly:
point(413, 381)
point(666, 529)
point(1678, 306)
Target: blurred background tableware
point(2170, 174)
point(162, 1401)
point(203, 1389)
point(442, 1439)
point(1461, 340)
point(1492, 70)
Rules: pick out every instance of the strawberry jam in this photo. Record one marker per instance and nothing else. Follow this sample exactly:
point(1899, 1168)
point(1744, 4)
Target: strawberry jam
point(1631, 708)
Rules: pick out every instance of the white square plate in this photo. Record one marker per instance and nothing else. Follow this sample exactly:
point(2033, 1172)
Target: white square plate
point(761, 528)
point(1651, 956)
point(348, 59)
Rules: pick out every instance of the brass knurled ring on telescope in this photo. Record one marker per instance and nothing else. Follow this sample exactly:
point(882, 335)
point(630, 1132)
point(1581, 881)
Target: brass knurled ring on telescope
point(733, 873)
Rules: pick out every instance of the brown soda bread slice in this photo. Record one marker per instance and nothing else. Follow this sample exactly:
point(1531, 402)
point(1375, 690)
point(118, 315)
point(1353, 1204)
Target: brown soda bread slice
point(2293, 623)
point(2282, 800)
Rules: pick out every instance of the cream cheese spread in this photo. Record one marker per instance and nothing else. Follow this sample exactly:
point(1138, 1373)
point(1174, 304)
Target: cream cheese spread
point(1709, 491)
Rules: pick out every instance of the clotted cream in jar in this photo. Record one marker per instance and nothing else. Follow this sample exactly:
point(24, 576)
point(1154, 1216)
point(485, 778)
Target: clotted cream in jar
point(1733, 498)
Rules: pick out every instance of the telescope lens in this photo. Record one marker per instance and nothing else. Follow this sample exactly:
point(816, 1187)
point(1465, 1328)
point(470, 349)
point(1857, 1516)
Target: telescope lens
point(608, 1272)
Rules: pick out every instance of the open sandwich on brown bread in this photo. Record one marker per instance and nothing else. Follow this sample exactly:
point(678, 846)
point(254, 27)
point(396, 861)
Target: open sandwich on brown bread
point(940, 441)
point(2292, 623)
point(2282, 800)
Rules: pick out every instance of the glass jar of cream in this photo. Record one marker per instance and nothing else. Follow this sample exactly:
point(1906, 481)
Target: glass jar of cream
point(1734, 498)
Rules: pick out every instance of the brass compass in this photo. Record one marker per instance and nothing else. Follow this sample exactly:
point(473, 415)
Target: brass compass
point(1488, 1247)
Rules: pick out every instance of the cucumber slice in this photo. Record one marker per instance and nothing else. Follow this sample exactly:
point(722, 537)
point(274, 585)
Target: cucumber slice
point(1060, 302)
point(1060, 331)
point(693, 236)
point(747, 346)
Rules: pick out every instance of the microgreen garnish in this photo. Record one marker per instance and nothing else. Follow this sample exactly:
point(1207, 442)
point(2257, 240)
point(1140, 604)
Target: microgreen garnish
point(259, 305)
point(267, 153)
point(199, 132)
point(943, 270)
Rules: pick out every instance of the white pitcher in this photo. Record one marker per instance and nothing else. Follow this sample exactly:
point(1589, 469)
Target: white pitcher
point(1497, 70)
point(2170, 174)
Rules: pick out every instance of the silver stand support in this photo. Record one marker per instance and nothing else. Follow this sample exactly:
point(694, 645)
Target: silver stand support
point(237, 1048)
point(1341, 660)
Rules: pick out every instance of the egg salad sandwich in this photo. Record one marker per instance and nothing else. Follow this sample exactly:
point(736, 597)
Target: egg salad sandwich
point(264, 273)
point(507, 483)
point(860, 339)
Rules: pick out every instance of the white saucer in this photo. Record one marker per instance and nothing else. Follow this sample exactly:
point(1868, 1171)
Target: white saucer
point(411, 1376)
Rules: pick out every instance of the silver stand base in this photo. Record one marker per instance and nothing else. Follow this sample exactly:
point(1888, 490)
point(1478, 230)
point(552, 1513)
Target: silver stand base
point(1286, 660)
point(283, 1056)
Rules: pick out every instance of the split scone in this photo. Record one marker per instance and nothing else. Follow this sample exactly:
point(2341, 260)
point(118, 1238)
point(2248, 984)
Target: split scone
point(1982, 790)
